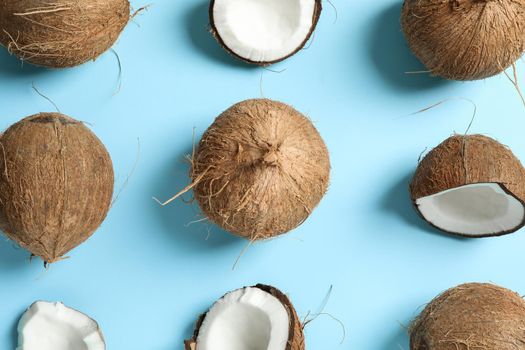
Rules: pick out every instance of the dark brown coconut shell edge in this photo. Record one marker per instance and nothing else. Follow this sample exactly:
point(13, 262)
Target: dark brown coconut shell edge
point(459, 234)
point(295, 336)
point(213, 30)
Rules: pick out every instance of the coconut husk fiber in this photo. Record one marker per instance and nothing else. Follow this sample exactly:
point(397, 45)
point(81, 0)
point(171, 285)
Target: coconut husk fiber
point(468, 159)
point(61, 33)
point(56, 184)
point(260, 169)
point(465, 39)
point(470, 317)
point(295, 336)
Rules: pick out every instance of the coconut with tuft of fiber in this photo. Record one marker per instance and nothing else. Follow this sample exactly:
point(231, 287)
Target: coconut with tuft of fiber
point(471, 186)
point(260, 169)
point(263, 32)
point(257, 318)
point(61, 33)
point(56, 184)
point(471, 316)
point(54, 326)
point(465, 39)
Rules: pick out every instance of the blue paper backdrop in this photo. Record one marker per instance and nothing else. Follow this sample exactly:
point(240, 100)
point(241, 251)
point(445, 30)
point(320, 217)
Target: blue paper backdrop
point(146, 274)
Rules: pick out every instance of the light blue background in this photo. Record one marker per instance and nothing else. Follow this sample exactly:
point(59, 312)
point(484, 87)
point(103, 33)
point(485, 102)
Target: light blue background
point(146, 276)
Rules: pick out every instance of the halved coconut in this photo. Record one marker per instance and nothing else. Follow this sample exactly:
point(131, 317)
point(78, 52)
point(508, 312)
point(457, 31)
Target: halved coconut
point(263, 32)
point(471, 186)
point(53, 326)
point(255, 318)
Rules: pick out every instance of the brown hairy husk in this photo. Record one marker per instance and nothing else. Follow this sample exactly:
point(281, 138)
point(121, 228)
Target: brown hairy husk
point(296, 334)
point(215, 33)
point(468, 159)
point(56, 184)
point(61, 33)
point(260, 169)
point(471, 316)
point(465, 39)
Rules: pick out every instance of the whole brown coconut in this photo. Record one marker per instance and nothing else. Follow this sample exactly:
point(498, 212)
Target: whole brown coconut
point(260, 169)
point(465, 39)
point(56, 184)
point(463, 160)
point(61, 33)
point(471, 316)
point(295, 328)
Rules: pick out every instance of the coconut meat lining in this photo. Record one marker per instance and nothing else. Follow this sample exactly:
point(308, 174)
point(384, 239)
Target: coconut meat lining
point(263, 30)
point(245, 319)
point(475, 209)
point(53, 326)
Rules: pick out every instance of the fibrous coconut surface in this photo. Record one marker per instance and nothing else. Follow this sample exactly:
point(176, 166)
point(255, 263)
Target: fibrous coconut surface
point(471, 316)
point(56, 184)
point(260, 169)
point(61, 33)
point(465, 39)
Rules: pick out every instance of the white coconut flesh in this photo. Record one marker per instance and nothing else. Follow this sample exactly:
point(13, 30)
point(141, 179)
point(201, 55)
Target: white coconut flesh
point(245, 319)
point(475, 209)
point(53, 326)
point(263, 30)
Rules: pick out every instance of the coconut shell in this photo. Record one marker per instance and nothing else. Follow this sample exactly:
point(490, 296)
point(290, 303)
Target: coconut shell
point(260, 169)
point(465, 39)
point(61, 33)
point(471, 316)
point(215, 33)
point(296, 334)
point(56, 184)
point(468, 159)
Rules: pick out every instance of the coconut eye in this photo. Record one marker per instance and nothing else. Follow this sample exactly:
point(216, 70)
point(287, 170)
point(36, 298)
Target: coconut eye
point(256, 318)
point(264, 31)
point(54, 326)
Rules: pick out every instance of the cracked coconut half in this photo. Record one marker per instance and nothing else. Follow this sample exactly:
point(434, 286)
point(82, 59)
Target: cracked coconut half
point(255, 318)
point(471, 186)
point(263, 32)
point(54, 326)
